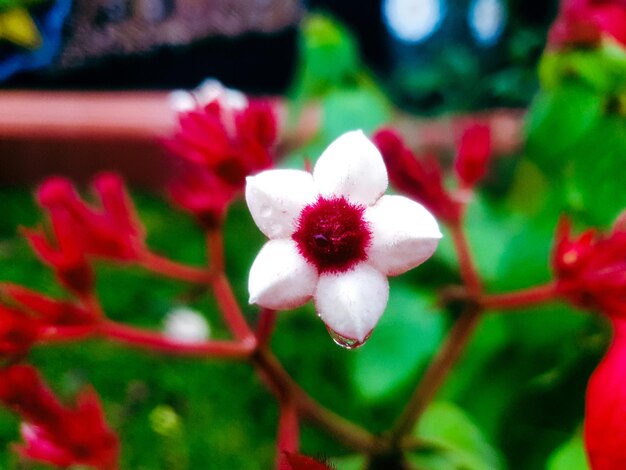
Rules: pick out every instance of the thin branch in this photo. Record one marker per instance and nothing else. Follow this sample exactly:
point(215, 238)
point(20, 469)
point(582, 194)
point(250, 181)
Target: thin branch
point(437, 371)
point(265, 327)
point(154, 341)
point(469, 273)
point(285, 387)
point(174, 270)
point(519, 299)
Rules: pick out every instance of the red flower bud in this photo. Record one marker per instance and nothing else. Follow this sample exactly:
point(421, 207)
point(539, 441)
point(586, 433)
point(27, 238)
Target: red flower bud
point(111, 230)
point(66, 253)
point(585, 22)
point(591, 268)
point(201, 193)
point(474, 152)
point(420, 179)
point(53, 433)
point(50, 312)
point(230, 142)
point(18, 332)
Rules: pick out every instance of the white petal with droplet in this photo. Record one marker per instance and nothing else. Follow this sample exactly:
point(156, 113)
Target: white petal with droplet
point(280, 278)
point(276, 198)
point(353, 167)
point(351, 303)
point(404, 234)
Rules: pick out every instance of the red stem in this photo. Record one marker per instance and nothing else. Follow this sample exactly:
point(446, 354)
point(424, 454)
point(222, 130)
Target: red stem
point(267, 321)
point(230, 308)
point(156, 342)
point(173, 269)
point(215, 249)
point(53, 334)
point(469, 273)
point(519, 299)
point(288, 434)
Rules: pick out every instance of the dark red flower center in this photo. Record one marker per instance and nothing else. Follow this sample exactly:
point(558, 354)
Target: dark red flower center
point(332, 234)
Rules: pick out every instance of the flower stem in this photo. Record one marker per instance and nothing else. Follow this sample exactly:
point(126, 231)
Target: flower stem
point(469, 273)
point(230, 308)
point(267, 321)
point(173, 269)
point(54, 334)
point(519, 299)
point(285, 388)
point(215, 250)
point(156, 342)
point(437, 371)
point(288, 434)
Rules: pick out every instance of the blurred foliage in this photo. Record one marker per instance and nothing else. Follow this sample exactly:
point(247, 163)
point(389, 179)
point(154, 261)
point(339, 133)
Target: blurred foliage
point(517, 396)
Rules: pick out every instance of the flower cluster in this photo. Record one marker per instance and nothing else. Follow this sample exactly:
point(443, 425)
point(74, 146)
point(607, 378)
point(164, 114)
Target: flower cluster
point(222, 137)
point(53, 433)
point(335, 237)
point(591, 268)
point(109, 230)
point(28, 316)
point(587, 22)
point(422, 178)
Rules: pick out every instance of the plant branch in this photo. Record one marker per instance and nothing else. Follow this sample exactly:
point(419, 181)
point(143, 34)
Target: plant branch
point(173, 269)
point(230, 308)
point(288, 434)
point(437, 371)
point(519, 299)
point(469, 273)
point(286, 388)
point(267, 321)
point(154, 341)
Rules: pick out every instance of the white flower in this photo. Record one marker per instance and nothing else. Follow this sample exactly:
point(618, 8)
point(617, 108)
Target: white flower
point(185, 325)
point(335, 238)
point(208, 91)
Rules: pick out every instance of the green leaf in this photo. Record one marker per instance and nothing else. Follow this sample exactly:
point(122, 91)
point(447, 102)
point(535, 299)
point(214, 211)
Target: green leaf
point(556, 121)
point(489, 229)
point(460, 444)
point(405, 338)
point(328, 58)
point(357, 108)
point(349, 462)
point(599, 175)
point(570, 456)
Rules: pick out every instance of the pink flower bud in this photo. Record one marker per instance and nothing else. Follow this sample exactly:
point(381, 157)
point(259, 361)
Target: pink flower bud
point(55, 434)
point(473, 156)
point(419, 178)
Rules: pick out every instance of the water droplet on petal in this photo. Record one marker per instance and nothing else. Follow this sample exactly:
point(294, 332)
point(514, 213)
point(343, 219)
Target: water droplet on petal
point(345, 342)
point(266, 211)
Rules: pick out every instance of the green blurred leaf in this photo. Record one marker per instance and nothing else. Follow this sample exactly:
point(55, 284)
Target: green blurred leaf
point(359, 108)
point(556, 121)
point(599, 175)
point(570, 456)
point(349, 462)
point(489, 228)
point(329, 58)
point(406, 336)
point(461, 443)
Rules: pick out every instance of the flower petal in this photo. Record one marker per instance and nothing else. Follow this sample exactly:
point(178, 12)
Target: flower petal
point(404, 234)
point(351, 303)
point(353, 167)
point(276, 198)
point(280, 278)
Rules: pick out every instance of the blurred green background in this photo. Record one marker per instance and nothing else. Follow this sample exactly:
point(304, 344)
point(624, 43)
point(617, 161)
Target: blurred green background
point(516, 399)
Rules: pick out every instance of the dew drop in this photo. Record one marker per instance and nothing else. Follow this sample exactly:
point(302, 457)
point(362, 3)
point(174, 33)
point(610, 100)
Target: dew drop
point(266, 211)
point(345, 342)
